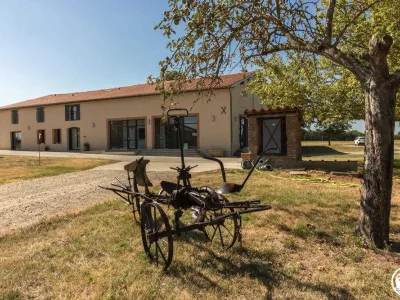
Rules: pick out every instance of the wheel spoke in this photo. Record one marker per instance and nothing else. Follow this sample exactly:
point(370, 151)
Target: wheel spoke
point(147, 222)
point(159, 227)
point(223, 225)
point(220, 235)
point(150, 254)
point(215, 230)
point(162, 254)
point(154, 223)
point(156, 245)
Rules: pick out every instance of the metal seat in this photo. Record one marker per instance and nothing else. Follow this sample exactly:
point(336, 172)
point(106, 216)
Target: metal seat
point(169, 187)
point(137, 175)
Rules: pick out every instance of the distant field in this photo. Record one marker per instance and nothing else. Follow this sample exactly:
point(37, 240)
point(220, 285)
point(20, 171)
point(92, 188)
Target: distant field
point(311, 148)
point(341, 150)
point(17, 168)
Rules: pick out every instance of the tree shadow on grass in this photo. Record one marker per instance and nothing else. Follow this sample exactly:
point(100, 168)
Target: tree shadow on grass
point(394, 246)
point(319, 150)
point(262, 265)
point(256, 264)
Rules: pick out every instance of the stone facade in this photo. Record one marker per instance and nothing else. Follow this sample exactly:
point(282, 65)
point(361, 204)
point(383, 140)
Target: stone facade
point(291, 158)
point(292, 132)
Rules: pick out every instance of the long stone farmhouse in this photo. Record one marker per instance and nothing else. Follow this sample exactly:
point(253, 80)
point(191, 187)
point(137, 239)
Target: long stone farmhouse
point(129, 118)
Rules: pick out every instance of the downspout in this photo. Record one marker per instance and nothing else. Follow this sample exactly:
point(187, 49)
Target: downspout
point(231, 110)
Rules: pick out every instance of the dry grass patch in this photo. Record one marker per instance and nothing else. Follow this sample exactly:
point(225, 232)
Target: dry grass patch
point(17, 168)
point(303, 248)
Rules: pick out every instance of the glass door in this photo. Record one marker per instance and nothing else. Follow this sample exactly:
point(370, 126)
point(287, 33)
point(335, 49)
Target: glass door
point(74, 138)
point(132, 141)
point(166, 135)
point(128, 134)
point(16, 140)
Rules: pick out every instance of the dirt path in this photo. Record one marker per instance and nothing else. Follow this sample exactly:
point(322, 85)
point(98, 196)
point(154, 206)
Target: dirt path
point(27, 202)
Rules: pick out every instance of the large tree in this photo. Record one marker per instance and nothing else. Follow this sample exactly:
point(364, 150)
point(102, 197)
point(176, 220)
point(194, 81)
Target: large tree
point(358, 35)
point(328, 96)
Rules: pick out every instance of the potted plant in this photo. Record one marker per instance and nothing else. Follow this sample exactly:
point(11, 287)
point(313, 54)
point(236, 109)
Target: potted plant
point(86, 146)
point(46, 148)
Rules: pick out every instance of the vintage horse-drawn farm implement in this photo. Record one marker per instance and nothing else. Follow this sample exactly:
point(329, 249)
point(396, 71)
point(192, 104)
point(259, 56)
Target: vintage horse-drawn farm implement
point(214, 215)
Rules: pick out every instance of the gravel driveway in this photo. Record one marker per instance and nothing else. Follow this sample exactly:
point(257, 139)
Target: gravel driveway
point(27, 202)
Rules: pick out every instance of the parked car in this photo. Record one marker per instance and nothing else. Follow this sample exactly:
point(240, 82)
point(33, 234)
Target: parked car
point(359, 141)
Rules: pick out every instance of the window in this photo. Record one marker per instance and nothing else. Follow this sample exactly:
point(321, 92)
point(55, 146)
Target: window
point(40, 114)
point(40, 137)
point(243, 133)
point(14, 116)
point(72, 112)
point(166, 135)
point(274, 136)
point(56, 136)
point(127, 134)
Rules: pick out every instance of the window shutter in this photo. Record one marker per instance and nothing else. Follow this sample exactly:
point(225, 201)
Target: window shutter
point(37, 114)
point(66, 112)
point(42, 114)
point(78, 112)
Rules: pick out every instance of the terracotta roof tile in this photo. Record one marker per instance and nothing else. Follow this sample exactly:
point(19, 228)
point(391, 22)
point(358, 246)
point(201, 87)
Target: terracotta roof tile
point(270, 110)
point(273, 110)
point(119, 92)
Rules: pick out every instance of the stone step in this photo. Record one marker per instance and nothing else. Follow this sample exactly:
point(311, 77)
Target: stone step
point(169, 152)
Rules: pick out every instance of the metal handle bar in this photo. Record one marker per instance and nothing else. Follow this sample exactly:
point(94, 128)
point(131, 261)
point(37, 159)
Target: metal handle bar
point(221, 164)
point(257, 161)
point(177, 109)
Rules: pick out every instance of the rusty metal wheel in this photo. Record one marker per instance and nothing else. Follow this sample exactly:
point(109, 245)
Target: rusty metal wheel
point(226, 231)
point(156, 235)
point(213, 194)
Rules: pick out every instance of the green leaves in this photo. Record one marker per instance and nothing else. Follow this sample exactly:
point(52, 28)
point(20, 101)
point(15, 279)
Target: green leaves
point(325, 93)
point(224, 35)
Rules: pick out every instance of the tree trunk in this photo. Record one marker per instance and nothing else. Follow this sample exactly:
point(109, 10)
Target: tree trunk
point(329, 136)
point(373, 223)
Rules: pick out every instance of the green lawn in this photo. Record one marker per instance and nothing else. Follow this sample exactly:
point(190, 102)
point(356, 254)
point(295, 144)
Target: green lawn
point(337, 148)
point(17, 168)
point(341, 151)
point(304, 248)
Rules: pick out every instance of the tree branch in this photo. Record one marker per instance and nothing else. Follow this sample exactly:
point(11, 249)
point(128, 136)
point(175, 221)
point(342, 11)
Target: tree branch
point(329, 23)
point(348, 61)
point(394, 80)
point(343, 31)
point(271, 50)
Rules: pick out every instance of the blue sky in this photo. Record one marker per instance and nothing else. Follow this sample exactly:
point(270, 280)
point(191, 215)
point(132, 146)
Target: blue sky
point(59, 46)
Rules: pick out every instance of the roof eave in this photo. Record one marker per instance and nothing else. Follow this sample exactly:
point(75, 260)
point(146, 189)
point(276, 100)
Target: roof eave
point(105, 98)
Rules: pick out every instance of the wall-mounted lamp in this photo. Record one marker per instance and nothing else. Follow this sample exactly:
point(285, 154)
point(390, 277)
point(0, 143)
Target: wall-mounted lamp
point(93, 124)
point(29, 127)
point(148, 121)
point(213, 118)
